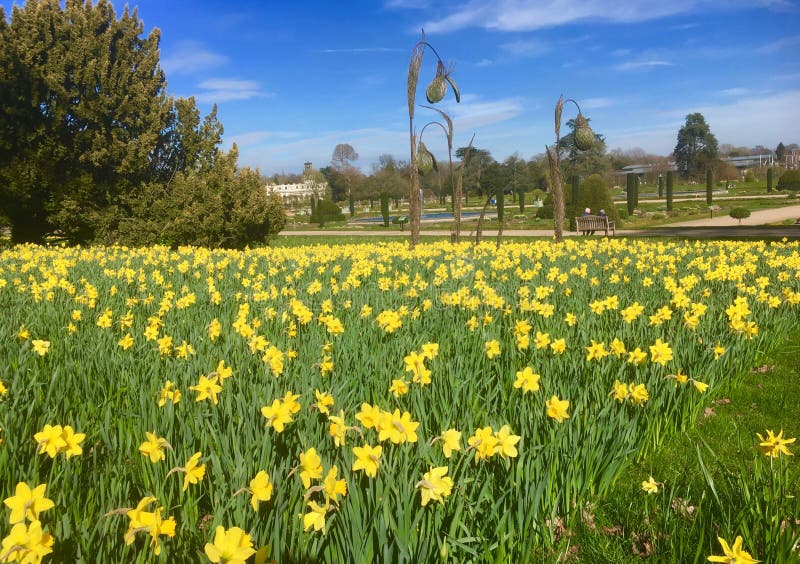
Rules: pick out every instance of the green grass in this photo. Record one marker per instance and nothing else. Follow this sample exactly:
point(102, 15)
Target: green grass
point(723, 441)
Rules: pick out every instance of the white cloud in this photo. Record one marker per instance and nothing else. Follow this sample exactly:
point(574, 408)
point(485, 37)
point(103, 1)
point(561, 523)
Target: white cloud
point(642, 65)
point(528, 15)
point(189, 57)
point(361, 50)
point(224, 89)
point(780, 44)
point(735, 91)
point(595, 103)
point(484, 63)
point(407, 4)
point(473, 112)
point(526, 48)
point(522, 15)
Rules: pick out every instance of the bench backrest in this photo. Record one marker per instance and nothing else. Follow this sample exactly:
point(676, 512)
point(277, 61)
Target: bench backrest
point(592, 222)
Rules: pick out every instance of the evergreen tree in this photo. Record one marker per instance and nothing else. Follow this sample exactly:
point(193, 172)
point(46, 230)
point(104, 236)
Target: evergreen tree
point(84, 108)
point(670, 184)
point(697, 149)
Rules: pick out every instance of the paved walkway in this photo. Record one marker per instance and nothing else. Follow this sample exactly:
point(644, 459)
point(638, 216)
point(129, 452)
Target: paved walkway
point(718, 227)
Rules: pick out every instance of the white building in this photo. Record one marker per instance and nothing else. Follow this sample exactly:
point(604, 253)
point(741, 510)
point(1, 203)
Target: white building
point(301, 191)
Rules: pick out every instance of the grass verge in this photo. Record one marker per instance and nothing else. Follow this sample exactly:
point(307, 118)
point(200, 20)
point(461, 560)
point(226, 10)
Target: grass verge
point(713, 482)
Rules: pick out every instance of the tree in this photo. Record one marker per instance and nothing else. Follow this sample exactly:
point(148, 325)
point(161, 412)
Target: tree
point(740, 214)
point(341, 159)
point(780, 152)
point(473, 167)
point(83, 110)
point(186, 143)
point(583, 163)
point(696, 150)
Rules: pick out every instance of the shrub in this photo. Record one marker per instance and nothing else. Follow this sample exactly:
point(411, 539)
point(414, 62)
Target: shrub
point(547, 211)
point(325, 212)
point(739, 213)
point(769, 179)
point(220, 207)
point(749, 176)
point(522, 202)
point(709, 187)
point(790, 180)
point(630, 191)
point(596, 195)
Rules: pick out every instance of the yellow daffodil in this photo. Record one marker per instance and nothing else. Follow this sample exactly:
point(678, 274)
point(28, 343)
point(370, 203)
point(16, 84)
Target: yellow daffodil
point(50, 440)
point(369, 416)
point(492, 349)
point(338, 428)
point(334, 487)
point(40, 347)
point(506, 442)
point(398, 388)
point(277, 415)
point(596, 351)
point(619, 391)
point(451, 441)
point(230, 546)
point(660, 352)
point(26, 543)
point(154, 447)
point(527, 380)
point(324, 401)
point(315, 518)
point(260, 489)
point(27, 503)
point(733, 554)
point(650, 485)
point(484, 442)
point(368, 458)
point(72, 441)
point(558, 346)
point(557, 408)
point(193, 472)
point(169, 392)
point(435, 485)
point(207, 388)
point(774, 445)
point(638, 393)
point(310, 467)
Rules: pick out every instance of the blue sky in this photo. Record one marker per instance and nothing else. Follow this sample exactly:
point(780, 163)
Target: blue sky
point(293, 79)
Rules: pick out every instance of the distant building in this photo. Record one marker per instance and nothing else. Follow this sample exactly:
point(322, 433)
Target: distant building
point(742, 163)
point(300, 192)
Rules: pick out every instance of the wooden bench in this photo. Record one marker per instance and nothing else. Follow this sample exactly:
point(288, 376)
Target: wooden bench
point(589, 223)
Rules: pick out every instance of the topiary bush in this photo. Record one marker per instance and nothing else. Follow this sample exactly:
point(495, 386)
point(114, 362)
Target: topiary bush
point(739, 213)
point(595, 195)
point(789, 180)
point(326, 212)
point(670, 185)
